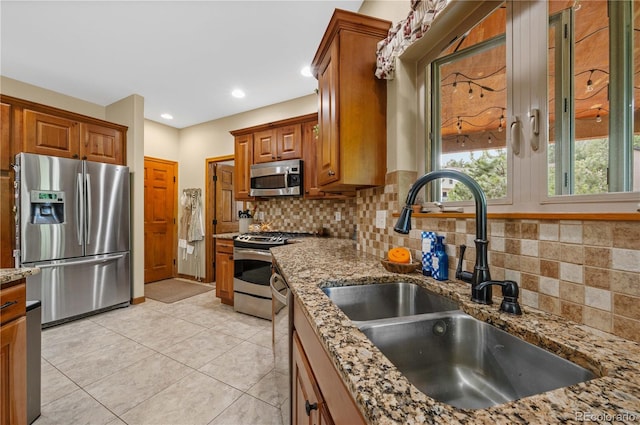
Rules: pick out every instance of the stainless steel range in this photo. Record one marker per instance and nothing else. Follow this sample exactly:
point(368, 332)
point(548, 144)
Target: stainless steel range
point(252, 270)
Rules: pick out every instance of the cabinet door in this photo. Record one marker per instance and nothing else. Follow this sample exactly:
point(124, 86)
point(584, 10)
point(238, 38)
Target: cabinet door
point(329, 143)
point(6, 157)
point(102, 144)
point(224, 271)
point(13, 372)
point(310, 142)
point(243, 160)
point(307, 403)
point(289, 142)
point(50, 135)
point(7, 199)
point(264, 146)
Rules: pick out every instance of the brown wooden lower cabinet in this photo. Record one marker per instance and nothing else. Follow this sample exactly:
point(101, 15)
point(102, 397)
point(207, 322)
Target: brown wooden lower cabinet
point(308, 405)
point(224, 270)
point(319, 395)
point(13, 356)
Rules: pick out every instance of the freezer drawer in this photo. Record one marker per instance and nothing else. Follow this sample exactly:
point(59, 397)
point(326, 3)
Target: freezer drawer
point(72, 288)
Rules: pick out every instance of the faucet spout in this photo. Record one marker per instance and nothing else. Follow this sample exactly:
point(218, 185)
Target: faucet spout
point(481, 269)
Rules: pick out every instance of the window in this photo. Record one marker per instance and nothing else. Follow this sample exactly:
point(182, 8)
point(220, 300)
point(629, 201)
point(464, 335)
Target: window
point(590, 132)
point(541, 121)
point(469, 104)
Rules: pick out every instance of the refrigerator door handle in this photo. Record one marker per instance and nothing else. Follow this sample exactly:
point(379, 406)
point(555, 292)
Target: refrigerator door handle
point(77, 262)
point(88, 191)
point(79, 208)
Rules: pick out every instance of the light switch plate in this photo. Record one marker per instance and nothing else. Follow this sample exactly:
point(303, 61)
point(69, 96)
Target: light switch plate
point(338, 216)
point(381, 219)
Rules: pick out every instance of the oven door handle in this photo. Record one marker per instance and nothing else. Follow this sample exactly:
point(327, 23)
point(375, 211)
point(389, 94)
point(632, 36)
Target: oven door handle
point(275, 292)
point(251, 254)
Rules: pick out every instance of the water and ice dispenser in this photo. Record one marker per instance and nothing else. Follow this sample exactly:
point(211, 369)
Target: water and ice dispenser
point(47, 207)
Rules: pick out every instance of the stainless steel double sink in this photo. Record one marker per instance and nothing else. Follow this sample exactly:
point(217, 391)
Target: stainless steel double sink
point(449, 355)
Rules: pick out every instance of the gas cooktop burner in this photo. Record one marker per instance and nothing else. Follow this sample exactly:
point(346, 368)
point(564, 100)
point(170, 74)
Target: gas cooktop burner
point(271, 238)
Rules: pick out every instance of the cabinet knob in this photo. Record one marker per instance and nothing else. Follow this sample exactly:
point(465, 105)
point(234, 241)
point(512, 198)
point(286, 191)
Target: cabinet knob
point(231, 257)
point(309, 407)
point(332, 173)
point(273, 157)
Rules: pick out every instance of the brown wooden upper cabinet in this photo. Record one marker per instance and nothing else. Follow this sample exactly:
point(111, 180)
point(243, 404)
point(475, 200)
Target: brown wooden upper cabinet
point(242, 164)
point(352, 145)
point(50, 135)
point(45, 130)
point(35, 128)
point(275, 141)
point(277, 144)
point(101, 144)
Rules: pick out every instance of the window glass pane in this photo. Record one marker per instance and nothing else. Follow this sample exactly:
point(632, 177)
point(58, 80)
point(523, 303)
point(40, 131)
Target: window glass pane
point(586, 134)
point(470, 109)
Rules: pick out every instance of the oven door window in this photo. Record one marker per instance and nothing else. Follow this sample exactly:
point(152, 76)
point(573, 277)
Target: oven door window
point(253, 271)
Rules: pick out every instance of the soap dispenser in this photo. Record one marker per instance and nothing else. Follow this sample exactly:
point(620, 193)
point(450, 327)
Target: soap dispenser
point(440, 263)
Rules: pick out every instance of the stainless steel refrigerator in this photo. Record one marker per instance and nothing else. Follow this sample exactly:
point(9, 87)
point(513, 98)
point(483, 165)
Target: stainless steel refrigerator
point(74, 224)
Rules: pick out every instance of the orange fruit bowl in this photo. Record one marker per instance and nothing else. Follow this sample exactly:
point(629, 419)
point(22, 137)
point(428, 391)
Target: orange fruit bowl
point(403, 268)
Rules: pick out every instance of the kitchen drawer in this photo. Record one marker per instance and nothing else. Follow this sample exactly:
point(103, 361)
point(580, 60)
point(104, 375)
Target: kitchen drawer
point(13, 301)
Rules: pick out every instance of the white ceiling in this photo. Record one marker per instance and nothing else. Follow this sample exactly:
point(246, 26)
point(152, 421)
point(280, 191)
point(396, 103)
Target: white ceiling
point(183, 57)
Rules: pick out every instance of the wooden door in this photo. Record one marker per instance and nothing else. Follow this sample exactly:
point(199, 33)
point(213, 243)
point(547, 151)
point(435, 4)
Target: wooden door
point(50, 135)
point(289, 142)
point(226, 211)
point(160, 215)
point(102, 144)
point(221, 207)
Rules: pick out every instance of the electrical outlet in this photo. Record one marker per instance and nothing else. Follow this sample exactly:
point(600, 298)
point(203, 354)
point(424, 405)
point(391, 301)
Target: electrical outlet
point(338, 216)
point(261, 215)
point(381, 219)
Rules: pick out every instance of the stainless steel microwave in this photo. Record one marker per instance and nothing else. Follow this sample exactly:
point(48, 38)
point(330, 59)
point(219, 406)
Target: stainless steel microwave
point(279, 178)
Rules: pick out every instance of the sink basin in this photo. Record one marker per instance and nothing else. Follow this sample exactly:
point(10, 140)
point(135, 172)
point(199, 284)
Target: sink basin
point(467, 363)
point(384, 300)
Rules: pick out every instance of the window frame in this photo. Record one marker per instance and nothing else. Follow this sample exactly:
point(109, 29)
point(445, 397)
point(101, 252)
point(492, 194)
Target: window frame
point(435, 125)
point(528, 171)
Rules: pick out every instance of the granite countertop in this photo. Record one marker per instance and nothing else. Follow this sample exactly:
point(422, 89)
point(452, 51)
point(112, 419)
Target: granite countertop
point(385, 396)
point(10, 275)
point(228, 236)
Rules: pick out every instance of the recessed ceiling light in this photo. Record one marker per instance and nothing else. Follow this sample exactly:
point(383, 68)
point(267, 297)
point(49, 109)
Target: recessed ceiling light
point(167, 116)
point(238, 93)
point(306, 71)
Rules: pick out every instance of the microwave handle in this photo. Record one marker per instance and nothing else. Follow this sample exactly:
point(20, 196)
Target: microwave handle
point(286, 179)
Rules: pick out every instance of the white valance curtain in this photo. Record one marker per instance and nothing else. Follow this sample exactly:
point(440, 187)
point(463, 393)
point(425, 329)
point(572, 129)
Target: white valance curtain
point(405, 33)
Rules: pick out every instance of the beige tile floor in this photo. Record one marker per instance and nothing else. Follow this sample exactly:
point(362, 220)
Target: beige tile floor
point(192, 362)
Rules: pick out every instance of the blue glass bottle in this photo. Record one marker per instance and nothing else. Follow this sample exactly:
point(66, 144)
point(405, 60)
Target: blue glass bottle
point(440, 265)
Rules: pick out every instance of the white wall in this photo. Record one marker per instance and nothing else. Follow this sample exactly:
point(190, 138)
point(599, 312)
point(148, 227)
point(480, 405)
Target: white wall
point(161, 141)
point(15, 88)
point(212, 139)
point(130, 112)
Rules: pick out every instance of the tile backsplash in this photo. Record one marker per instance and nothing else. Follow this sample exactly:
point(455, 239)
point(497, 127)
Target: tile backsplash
point(309, 215)
point(586, 271)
